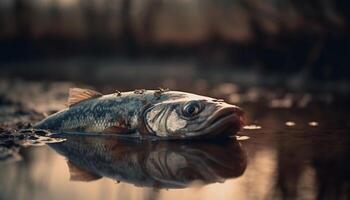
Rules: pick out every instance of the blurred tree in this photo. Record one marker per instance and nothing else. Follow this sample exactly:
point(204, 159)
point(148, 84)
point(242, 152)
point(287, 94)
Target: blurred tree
point(22, 11)
point(127, 35)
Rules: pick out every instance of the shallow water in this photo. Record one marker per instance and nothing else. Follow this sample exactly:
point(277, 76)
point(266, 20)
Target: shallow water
point(294, 146)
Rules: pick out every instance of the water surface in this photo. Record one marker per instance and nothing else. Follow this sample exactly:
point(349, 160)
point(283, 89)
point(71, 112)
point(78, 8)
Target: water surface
point(294, 146)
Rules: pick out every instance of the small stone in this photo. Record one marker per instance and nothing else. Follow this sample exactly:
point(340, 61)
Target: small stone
point(141, 91)
point(243, 137)
point(118, 93)
point(290, 123)
point(313, 123)
point(252, 127)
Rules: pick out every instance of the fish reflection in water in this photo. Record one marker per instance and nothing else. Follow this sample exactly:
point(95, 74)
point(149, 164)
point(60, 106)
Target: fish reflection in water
point(160, 164)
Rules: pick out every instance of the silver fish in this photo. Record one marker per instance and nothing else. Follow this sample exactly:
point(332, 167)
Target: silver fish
point(161, 113)
point(160, 164)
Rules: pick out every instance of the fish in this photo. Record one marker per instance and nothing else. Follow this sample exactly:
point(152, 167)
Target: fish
point(161, 113)
point(147, 163)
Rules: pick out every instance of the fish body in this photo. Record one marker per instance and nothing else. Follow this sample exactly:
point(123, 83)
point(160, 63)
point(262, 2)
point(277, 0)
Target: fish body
point(165, 114)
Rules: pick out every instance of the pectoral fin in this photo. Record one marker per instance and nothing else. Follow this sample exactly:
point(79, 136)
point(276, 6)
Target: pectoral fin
point(79, 174)
point(116, 130)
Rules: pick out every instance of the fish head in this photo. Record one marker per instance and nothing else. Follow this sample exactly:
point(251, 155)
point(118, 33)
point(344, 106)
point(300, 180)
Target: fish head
point(193, 116)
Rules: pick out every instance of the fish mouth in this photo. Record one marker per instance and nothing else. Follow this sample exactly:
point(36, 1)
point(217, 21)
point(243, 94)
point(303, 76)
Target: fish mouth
point(227, 121)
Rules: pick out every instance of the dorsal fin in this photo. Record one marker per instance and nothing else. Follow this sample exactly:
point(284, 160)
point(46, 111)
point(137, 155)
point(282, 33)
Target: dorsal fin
point(77, 95)
point(79, 174)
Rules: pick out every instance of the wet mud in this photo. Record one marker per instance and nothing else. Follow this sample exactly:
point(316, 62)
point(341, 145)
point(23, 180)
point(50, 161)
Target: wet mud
point(16, 131)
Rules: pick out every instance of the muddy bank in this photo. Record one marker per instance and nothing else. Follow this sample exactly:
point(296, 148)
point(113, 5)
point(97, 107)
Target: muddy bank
point(17, 114)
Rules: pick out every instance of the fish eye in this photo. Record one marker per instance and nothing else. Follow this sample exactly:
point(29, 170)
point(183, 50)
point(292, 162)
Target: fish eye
point(191, 108)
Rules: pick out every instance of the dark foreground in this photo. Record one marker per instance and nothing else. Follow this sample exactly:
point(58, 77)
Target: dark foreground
point(296, 145)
